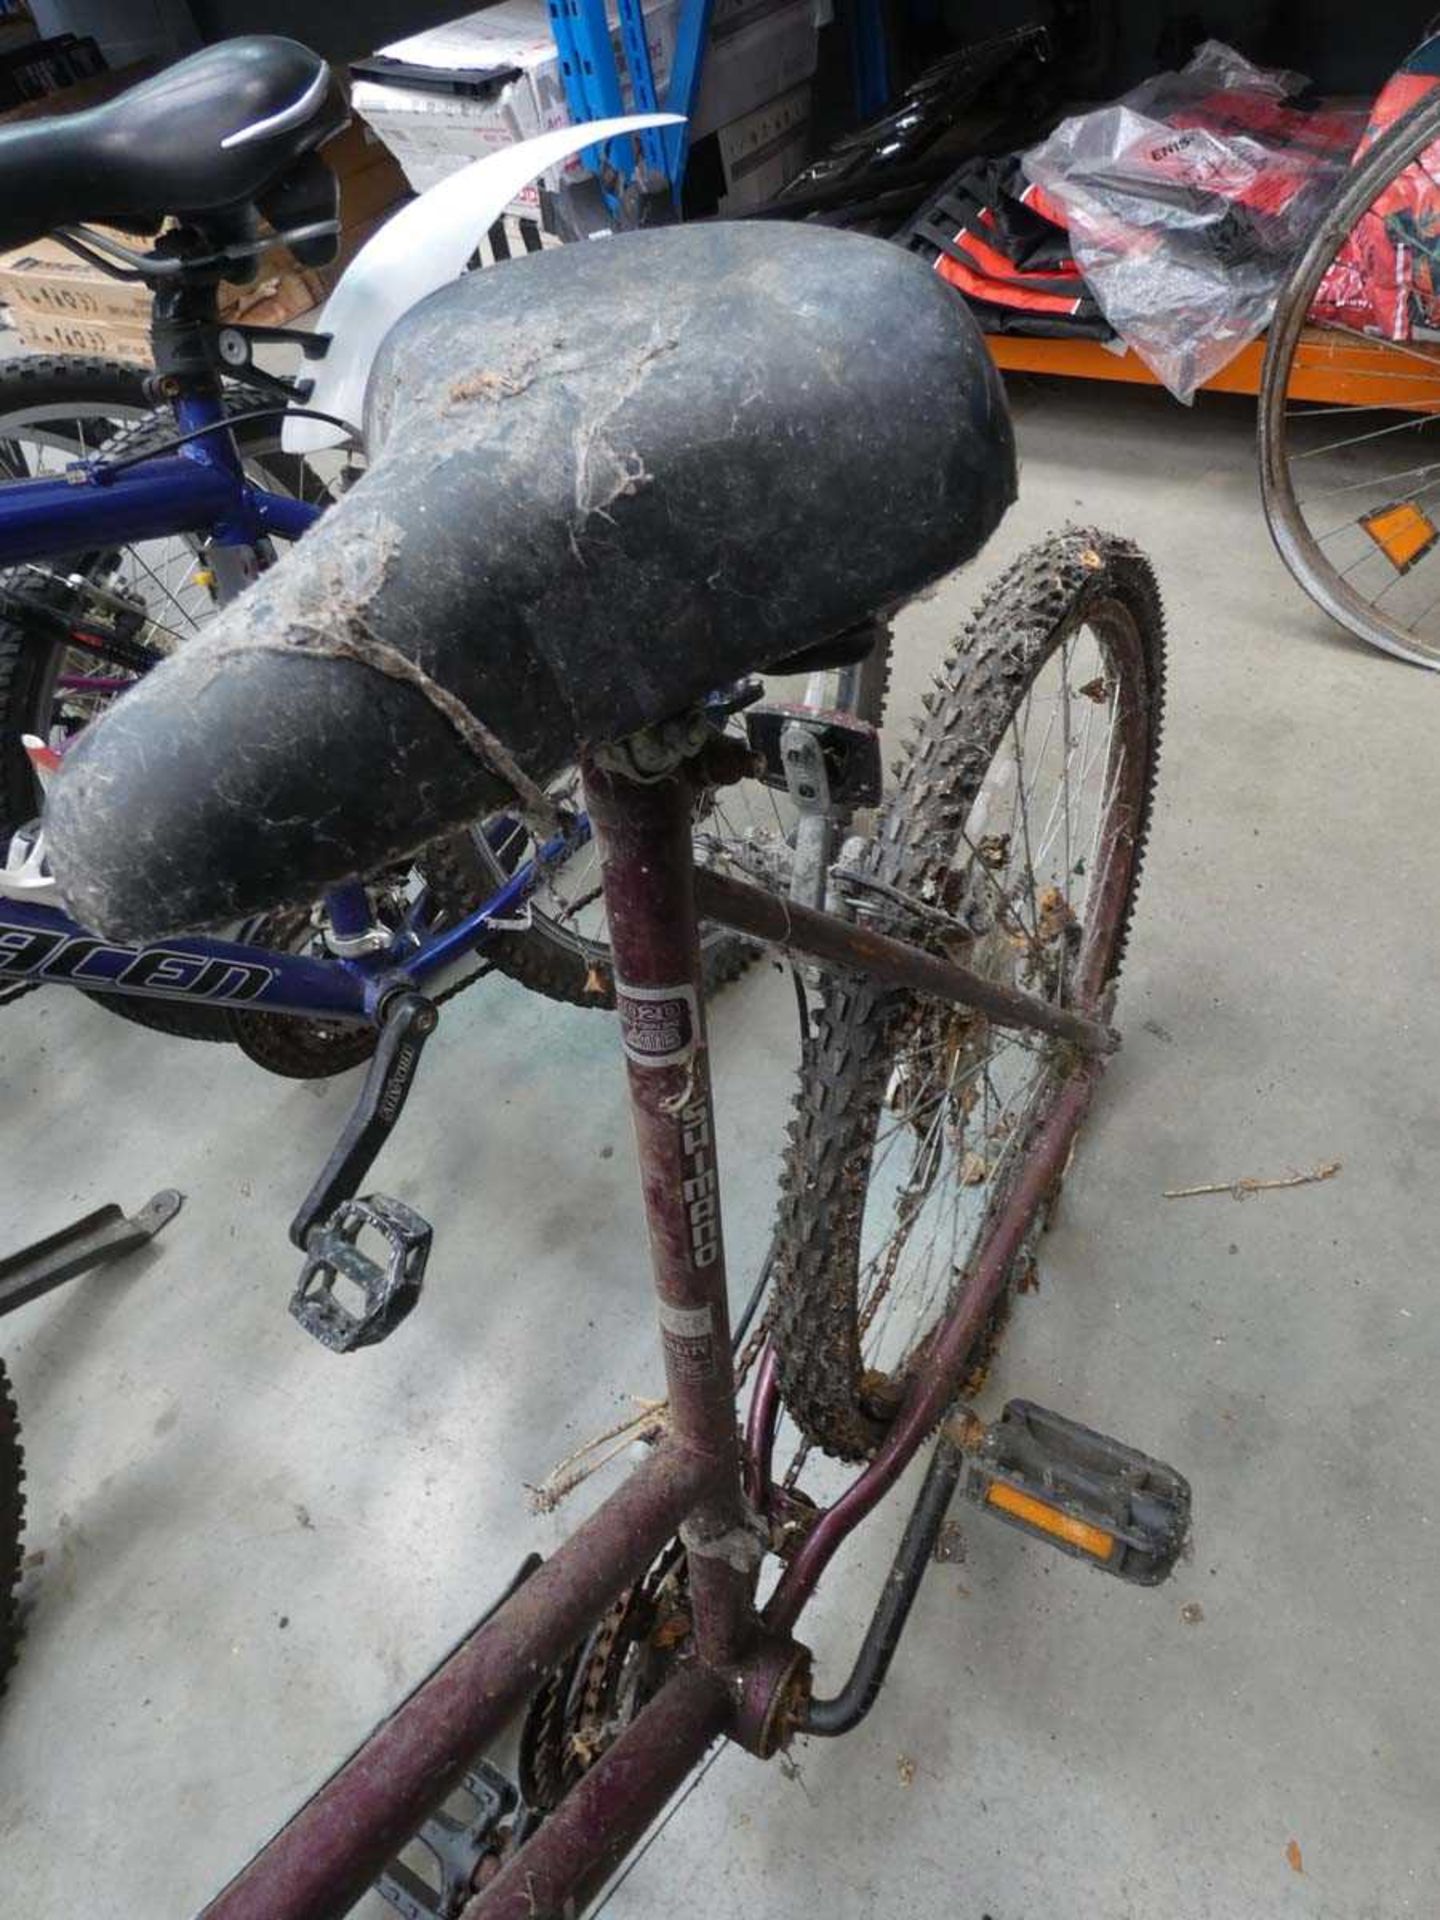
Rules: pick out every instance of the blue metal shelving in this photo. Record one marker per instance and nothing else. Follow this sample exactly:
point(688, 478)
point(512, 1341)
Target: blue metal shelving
point(593, 88)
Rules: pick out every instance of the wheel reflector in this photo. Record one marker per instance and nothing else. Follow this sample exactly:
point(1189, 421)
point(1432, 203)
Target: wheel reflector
point(1402, 532)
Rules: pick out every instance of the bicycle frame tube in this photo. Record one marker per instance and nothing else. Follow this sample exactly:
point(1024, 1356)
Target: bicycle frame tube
point(322, 1862)
point(167, 495)
point(318, 1865)
point(41, 944)
point(443, 949)
point(645, 835)
point(161, 496)
point(278, 513)
point(749, 1680)
point(348, 908)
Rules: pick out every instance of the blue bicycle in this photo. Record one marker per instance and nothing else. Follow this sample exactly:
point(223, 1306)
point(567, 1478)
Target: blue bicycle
point(132, 504)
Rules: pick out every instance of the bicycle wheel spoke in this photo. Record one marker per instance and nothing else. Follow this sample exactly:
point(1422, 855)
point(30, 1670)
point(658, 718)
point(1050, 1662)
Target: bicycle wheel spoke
point(1398, 347)
point(1381, 481)
point(1359, 439)
point(959, 1121)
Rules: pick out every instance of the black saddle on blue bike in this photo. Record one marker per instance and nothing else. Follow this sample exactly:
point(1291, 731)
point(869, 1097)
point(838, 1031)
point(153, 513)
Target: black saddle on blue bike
point(606, 480)
point(208, 139)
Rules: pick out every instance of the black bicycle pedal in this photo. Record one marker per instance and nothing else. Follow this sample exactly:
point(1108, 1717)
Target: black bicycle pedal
point(849, 748)
point(345, 1297)
point(1082, 1492)
point(457, 1848)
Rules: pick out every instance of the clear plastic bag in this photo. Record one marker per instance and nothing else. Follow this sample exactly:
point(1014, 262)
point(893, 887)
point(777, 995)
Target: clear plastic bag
point(1188, 200)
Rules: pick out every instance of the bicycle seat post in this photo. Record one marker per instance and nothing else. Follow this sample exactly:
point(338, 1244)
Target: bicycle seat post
point(644, 832)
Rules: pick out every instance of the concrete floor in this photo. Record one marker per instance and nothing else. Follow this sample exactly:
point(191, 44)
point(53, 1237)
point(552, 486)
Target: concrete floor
point(251, 1548)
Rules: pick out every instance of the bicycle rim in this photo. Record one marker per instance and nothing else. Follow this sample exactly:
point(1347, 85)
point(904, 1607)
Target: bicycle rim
point(1021, 815)
point(1352, 491)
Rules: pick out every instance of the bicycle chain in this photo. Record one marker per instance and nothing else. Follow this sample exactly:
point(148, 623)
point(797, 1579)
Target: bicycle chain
point(542, 1739)
point(586, 1734)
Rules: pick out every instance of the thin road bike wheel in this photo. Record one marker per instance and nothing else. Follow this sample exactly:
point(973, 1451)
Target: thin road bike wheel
point(1352, 491)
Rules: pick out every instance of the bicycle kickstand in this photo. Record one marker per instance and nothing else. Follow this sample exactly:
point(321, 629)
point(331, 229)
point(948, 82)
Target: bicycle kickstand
point(331, 1219)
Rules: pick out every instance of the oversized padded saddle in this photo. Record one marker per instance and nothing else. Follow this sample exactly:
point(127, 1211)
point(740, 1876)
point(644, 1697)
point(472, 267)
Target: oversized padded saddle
point(606, 480)
point(210, 134)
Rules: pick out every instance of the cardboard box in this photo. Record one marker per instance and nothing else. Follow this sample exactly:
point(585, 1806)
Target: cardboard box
point(61, 304)
point(371, 179)
point(764, 150)
point(758, 50)
point(47, 333)
point(433, 134)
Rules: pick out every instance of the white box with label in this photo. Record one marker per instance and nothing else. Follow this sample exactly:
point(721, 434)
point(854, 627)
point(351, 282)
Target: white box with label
point(758, 49)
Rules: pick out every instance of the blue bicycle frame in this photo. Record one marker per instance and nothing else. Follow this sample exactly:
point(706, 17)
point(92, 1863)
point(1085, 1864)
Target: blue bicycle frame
point(39, 943)
point(202, 487)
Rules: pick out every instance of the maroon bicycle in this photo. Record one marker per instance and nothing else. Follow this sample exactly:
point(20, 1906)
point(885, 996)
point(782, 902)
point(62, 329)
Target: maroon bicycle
point(609, 483)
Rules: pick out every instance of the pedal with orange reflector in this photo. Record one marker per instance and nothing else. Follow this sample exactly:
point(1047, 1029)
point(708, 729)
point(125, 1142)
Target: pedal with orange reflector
point(1080, 1491)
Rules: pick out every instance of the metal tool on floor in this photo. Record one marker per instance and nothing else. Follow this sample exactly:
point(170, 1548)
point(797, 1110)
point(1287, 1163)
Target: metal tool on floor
point(103, 1235)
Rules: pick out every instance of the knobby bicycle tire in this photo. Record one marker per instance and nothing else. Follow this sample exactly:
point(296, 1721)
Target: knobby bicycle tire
point(12, 1525)
point(1076, 581)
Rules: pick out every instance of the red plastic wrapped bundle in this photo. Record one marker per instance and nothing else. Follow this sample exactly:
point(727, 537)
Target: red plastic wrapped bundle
point(1386, 277)
point(1187, 202)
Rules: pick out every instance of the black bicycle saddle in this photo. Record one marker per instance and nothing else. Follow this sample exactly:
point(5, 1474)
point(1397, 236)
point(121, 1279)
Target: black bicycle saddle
point(209, 134)
point(606, 480)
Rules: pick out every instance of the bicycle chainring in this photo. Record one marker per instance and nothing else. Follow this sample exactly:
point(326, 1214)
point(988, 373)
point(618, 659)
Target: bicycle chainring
point(588, 1701)
point(297, 1047)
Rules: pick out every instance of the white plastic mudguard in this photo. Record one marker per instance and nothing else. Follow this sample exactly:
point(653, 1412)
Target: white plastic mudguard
point(422, 248)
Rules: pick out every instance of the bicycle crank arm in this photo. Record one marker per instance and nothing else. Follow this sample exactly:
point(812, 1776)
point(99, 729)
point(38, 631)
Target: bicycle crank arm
point(808, 934)
point(103, 1235)
point(391, 1073)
